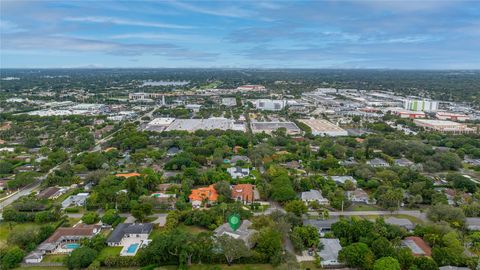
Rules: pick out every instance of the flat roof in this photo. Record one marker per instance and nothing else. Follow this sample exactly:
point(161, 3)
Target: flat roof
point(438, 122)
point(321, 125)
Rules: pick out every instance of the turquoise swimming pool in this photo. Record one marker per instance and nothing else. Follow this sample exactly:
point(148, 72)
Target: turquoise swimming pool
point(71, 246)
point(132, 248)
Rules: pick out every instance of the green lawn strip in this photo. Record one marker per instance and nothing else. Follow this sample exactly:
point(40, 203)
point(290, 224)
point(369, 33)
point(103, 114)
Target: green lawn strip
point(108, 252)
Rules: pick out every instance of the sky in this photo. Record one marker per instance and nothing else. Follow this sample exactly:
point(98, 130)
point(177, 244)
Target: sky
point(403, 34)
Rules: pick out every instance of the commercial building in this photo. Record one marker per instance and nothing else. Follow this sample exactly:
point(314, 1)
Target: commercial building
point(159, 124)
point(444, 126)
point(229, 102)
point(321, 127)
point(269, 127)
point(423, 105)
point(251, 87)
point(452, 116)
point(269, 104)
point(192, 125)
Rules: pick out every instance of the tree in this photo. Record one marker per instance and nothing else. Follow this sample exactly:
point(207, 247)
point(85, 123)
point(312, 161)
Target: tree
point(297, 207)
point(386, 263)
point(357, 255)
point(110, 217)
point(391, 199)
point(282, 189)
point(461, 182)
point(5, 167)
point(141, 211)
point(307, 235)
point(232, 248)
point(11, 258)
point(80, 258)
point(269, 243)
point(223, 189)
point(425, 263)
point(404, 257)
point(381, 247)
point(450, 214)
point(90, 218)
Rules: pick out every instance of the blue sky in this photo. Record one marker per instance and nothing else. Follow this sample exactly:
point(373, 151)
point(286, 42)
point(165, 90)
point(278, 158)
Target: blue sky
point(399, 34)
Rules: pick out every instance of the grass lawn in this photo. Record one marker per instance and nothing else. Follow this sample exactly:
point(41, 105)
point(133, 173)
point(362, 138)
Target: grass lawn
point(57, 258)
point(108, 252)
point(191, 229)
point(308, 265)
point(42, 268)
point(222, 267)
point(5, 229)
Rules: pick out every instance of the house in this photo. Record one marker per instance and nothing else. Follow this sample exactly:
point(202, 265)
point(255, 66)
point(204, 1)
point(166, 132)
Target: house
point(360, 196)
point(51, 193)
point(64, 240)
point(33, 257)
point(403, 162)
point(127, 175)
point(75, 200)
point(348, 162)
point(472, 161)
point(243, 232)
point(322, 225)
point(238, 172)
point(473, 224)
point(293, 165)
point(449, 267)
point(343, 179)
point(418, 246)
point(131, 236)
point(245, 193)
point(237, 158)
point(167, 186)
point(401, 222)
point(378, 163)
point(164, 200)
point(172, 151)
point(329, 253)
point(204, 194)
point(313, 195)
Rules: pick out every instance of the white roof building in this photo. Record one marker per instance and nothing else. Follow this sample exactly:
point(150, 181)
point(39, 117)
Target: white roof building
point(321, 127)
point(329, 253)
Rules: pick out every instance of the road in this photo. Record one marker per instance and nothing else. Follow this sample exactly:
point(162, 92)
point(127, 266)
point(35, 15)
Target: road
point(413, 213)
point(35, 185)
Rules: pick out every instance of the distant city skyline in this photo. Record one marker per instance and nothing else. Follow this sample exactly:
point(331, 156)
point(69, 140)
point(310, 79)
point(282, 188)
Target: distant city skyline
point(240, 34)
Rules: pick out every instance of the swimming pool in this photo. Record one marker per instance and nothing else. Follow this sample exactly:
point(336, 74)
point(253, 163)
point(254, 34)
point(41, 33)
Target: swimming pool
point(132, 248)
point(71, 246)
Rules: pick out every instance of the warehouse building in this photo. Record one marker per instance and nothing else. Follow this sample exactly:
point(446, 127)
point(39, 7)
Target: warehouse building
point(269, 127)
point(444, 126)
point(322, 127)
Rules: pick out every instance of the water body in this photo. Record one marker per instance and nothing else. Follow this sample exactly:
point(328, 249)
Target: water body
point(165, 83)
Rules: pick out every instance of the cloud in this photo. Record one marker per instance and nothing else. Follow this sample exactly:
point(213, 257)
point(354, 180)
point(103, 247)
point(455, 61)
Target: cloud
point(17, 42)
point(118, 21)
point(167, 36)
point(229, 11)
point(7, 27)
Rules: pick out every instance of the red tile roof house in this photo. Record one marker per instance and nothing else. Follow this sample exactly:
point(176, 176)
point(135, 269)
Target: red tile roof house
point(245, 193)
point(208, 195)
point(418, 246)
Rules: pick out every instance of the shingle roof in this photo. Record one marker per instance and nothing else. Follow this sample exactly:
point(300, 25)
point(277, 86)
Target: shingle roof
point(130, 228)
